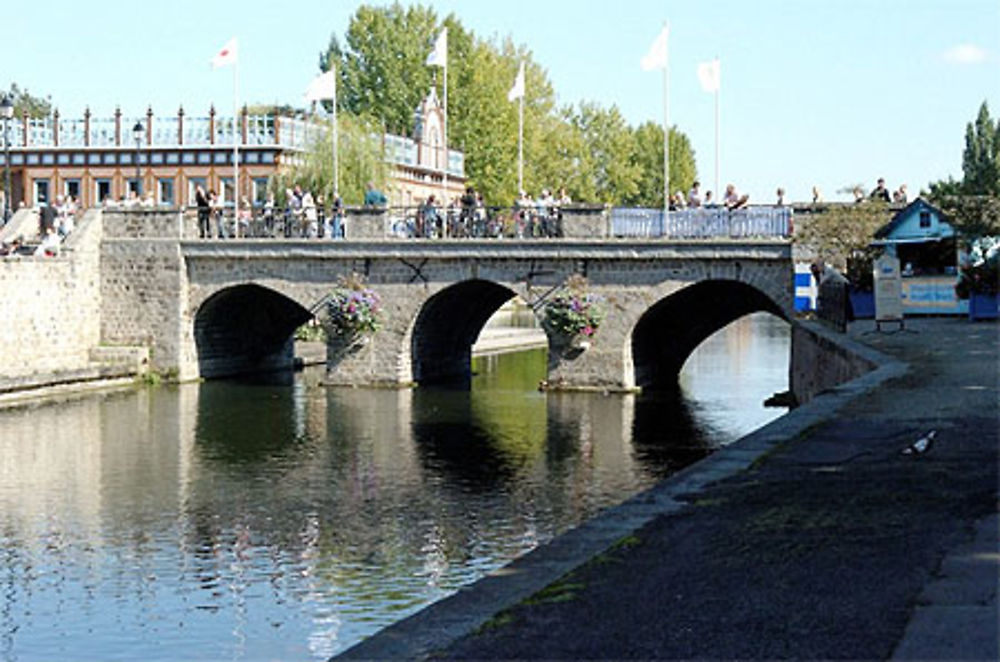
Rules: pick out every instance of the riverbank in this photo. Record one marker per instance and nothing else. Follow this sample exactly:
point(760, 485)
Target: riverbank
point(825, 534)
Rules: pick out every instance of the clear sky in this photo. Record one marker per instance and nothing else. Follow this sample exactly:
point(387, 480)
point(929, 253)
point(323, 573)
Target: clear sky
point(824, 92)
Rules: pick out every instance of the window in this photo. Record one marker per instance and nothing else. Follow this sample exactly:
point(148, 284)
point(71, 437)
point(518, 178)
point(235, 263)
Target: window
point(187, 157)
point(48, 159)
point(165, 191)
point(156, 158)
point(41, 190)
point(220, 158)
point(204, 158)
point(173, 158)
point(925, 219)
point(93, 159)
point(63, 158)
point(259, 190)
point(71, 188)
point(133, 184)
point(226, 183)
point(79, 158)
point(109, 158)
point(103, 189)
point(193, 183)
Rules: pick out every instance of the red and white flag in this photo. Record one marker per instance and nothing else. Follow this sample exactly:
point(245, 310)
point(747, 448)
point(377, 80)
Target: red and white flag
point(226, 55)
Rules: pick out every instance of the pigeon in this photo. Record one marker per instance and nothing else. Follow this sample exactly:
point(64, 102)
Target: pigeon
point(920, 446)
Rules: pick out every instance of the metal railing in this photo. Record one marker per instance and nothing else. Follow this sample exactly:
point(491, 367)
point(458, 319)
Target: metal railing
point(702, 222)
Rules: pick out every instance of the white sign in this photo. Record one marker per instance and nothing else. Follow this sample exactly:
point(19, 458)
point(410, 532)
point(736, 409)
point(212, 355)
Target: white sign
point(888, 290)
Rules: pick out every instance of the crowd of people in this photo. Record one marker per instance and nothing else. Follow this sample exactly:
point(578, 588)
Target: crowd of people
point(56, 221)
point(732, 199)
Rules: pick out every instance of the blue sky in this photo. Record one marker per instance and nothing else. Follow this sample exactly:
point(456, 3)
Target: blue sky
point(824, 92)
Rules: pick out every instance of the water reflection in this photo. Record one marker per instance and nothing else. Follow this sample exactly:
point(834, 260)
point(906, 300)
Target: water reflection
point(275, 519)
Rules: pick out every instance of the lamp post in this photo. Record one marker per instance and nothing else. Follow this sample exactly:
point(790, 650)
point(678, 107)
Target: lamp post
point(137, 132)
point(7, 110)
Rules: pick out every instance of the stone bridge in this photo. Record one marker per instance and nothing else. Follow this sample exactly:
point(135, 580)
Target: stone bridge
point(217, 308)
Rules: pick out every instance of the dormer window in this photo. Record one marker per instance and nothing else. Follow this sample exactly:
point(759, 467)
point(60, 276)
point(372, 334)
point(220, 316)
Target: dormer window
point(925, 219)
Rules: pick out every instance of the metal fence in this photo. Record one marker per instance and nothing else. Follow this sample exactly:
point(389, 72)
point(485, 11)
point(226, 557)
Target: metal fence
point(702, 222)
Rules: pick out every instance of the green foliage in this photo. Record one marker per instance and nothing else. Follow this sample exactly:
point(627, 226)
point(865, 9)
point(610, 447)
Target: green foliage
point(648, 155)
point(972, 216)
point(981, 272)
point(381, 66)
point(842, 235)
point(588, 150)
point(981, 158)
point(311, 332)
point(361, 159)
point(36, 107)
point(574, 311)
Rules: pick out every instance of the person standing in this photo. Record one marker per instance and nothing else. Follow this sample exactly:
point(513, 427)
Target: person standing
point(694, 195)
point(204, 205)
point(880, 192)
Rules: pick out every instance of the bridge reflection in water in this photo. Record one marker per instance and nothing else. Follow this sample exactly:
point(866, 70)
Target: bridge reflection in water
point(282, 520)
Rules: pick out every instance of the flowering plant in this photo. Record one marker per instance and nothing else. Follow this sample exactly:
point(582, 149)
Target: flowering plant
point(574, 312)
point(353, 309)
point(980, 274)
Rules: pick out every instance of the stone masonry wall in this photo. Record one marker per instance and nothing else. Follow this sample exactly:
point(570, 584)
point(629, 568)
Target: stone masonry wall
point(50, 309)
point(142, 284)
point(820, 361)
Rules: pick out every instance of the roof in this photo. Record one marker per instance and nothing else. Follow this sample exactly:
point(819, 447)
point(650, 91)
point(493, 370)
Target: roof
point(898, 224)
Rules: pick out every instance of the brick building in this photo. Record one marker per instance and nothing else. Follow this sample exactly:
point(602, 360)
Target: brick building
point(92, 158)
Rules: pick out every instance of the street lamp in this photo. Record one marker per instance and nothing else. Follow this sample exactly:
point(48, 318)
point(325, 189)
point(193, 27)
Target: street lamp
point(137, 132)
point(7, 110)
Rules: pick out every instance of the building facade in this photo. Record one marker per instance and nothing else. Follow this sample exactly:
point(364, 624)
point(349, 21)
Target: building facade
point(95, 159)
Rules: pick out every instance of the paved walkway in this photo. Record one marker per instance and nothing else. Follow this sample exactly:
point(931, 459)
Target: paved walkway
point(860, 526)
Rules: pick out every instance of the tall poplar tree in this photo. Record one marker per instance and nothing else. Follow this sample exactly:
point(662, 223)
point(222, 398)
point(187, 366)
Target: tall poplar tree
point(981, 158)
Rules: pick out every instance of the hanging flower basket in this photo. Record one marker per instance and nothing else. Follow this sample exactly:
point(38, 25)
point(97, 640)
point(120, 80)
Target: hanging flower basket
point(353, 311)
point(574, 315)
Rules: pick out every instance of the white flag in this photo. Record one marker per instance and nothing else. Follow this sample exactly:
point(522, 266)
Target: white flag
point(656, 58)
point(322, 87)
point(517, 91)
point(439, 56)
point(710, 75)
point(226, 55)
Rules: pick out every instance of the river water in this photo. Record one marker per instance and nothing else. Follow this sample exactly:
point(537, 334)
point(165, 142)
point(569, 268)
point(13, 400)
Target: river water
point(283, 520)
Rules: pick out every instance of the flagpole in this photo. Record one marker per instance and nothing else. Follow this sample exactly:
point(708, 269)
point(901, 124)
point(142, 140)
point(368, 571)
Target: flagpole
point(718, 86)
point(236, 148)
point(666, 135)
point(444, 174)
point(333, 120)
point(520, 144)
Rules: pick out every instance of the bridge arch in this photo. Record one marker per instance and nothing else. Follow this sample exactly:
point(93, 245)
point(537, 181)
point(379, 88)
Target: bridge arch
point(667, 332)
point(246, 328)
point(447, 326)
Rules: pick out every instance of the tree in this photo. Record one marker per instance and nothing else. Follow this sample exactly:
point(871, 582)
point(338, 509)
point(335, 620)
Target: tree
point(36, 107)
point(649, 156)
point(610, 146)
point(841, 234)
point(981, 158)
point(382, 73)
point(972, 205)
point(382, 70)
point(360, 160)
